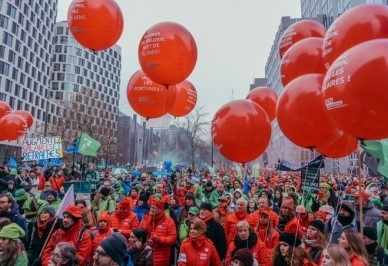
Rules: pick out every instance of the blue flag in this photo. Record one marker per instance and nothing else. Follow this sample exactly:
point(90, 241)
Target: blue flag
point(12, 163)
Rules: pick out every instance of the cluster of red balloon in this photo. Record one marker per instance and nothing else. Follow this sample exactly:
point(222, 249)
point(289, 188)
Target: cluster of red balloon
point(329, 108)
point(241, 129)
point(13, 124)
point(95, 24)
point(167, 55)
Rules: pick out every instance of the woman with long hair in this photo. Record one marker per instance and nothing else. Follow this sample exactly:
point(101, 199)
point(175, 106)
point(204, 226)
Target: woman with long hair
point(11, 247)
point(138, 249)
point(314, 240)
point(353, 243)
point(289, 252)
point(252, 206)
point(267, 234)
point(335, 255)
point(174, 204)
point(277, 200)
point(64, 254)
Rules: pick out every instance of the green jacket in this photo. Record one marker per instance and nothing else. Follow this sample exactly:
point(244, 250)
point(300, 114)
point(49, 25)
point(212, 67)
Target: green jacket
point(106, 205)
point(214, 196)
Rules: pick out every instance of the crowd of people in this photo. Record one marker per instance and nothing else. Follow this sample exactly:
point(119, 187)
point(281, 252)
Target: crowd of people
point(192, 218)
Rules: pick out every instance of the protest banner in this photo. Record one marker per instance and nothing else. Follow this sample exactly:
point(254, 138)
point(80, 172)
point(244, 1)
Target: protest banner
point(42, 148)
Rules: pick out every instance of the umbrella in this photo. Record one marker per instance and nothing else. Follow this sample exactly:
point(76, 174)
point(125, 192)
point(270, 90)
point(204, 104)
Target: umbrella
point(120, 171)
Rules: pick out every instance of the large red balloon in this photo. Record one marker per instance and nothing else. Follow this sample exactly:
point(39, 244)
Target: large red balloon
point(4, 109)
point(167, 53)
point(302, 116)
point(357, 25)
point(266, 98)
point(12, 127)
point(148, 98)
point(241, 130)
point(95, 24)
point(342, 147)
point(298, 31)
point(304, 57)
point(355, 90)
point(186, 99)
point(26, 115)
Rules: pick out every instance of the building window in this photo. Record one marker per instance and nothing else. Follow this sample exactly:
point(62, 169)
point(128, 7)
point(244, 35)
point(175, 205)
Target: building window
point(11, 56)
point(8, 85)
point(7, 39)
point(15, 28)
point(61, 58)
point(11, 11)
point(17, 90)
point(15, 73)
point(60, 30)
point(4, 68)
point(3, 22)
point(12, 102)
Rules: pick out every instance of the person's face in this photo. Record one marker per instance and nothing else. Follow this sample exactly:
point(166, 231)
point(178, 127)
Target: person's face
point(208, 188)
point(133, 193)
point(159, 188)
point(133, 239)
point(154, 210)
point(220, 187)
point(326, 259)
point(38, 170)
point(311, 233)
point(236, 185)
point(286, 210)
point(367, 240)
point(50, 197)
point(236, 262)
point(223, 203)
point(284, 248)
point(384, 216)
point(102, 224)
point(32, 175)
point(240, 207)
point(100, 257)
point(203, 213)
point(251, 204)
point(3, 243)
point(5, 204)
point(344, 213)
point(343, 241)
point(264, 219)
point(191, 216)
point(263, 204)
point(59, 173)
point(106, 184)
point(172, 201)
point(81, 206)
point(67, 221)
point(243, 232)
point(237, 195)
point(44, 216)
point(11, 186)
point(140, 203)
point(47, 188)
point(56, 257)
point(189, 202)
point(194, 233)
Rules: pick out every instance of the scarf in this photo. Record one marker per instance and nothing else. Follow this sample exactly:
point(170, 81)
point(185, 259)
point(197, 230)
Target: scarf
point(345, 220)
point(208, 219)
point(222, 211)
point(384, 238)
point(43, 225)
point(241, 215)
point(280, 261)
point(247, 243)
point(198, 241)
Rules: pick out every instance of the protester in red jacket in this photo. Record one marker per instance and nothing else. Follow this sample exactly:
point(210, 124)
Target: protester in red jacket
point(103, 230)
point(57, 180)
point(71, 231)
point(123, 219)
point(161, 231)
point(197, 250)
point(133, 197)
point(266, 231)
point(232, 220)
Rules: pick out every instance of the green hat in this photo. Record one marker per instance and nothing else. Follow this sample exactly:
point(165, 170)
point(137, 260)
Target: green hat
point(325, 186)
point(12, 231)
point(47, 184)
point(19, 194)
point(13, 171)
point(193, 210)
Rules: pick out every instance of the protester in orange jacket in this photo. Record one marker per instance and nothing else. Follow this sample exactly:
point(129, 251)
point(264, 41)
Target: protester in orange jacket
point(232, 220)
point(161, 231)
point(133, 197)
point(197, 250)
point(123, 219)
point(71, 231)
point(266, 232)
point(103, 230)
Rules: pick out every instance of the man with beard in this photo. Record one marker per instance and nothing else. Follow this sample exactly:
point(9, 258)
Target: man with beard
point(382, 228)
point(111, 251)
point(215, 232)
point(123, 219)
point(375, 252)
point(344, 221)
point(70, 231)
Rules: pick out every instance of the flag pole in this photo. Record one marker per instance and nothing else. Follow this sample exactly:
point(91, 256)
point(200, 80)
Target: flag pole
point(360, 197)
point(48, 236)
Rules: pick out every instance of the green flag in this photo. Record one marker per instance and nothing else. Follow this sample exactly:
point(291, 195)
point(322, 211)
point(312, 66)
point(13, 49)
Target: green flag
point(88, 145)
point(378, 149)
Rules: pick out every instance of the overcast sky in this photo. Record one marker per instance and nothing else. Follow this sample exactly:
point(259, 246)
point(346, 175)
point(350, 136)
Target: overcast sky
point(233, 37)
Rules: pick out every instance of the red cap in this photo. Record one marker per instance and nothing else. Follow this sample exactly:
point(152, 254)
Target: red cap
point(73, 211)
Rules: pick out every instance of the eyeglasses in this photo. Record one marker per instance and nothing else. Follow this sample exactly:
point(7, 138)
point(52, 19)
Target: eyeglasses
point(56, 255)
point(100, 253)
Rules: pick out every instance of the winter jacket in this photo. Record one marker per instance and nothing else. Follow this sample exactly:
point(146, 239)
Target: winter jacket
point(371, 215)
point(216, 233)
point(80, 238)
point(57, 182)
point(219, 217)
point(140, 211)
point(15, 217)
point(214, 196)
point(270, 242)
point(255, 216)
point(162, 234)
point(97, 236)
point(125, 225)
point(133, 201)
point(143, 257)
point(335, 228)
point(198, 255)
point(355, 261)
point(92, 177)
point(231, 225)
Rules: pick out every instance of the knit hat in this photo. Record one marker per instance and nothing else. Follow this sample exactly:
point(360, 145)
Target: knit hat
point(49, 209)
point(12, 231)
point(157, 201)
point(105, 191)
point(189, 195)
point(206, 206)
point(52, 192)
point(19, 194)
point(327, 209)
point(209, 184)
point(346, 205)
point(193, 210)
point(104, 216)
point(144, 197)
point(115, 247)
point(326, 186)
point(370, 232)
point(244, 255)
point(320, 215)
point(73, 211)
point(290, 239)
point(288, 202)
point(124, 204)
point(318, 224)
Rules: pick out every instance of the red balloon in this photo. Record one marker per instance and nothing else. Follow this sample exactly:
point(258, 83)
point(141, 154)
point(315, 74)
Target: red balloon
point(342, 147)
point(26, 115)
point(304, 57)
point(186, 99)
point(167, 53)
point(301, 114)
point(4, 109)
point(12, 127)
point(298, 31)
point(266, 98)
point(354, 27)
point(355, 90)
point(95, 24)
point(148, 98)
point(241, 130)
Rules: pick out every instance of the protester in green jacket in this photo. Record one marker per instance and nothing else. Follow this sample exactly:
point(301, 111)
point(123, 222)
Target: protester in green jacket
point(220, 191)
point(103, 202)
